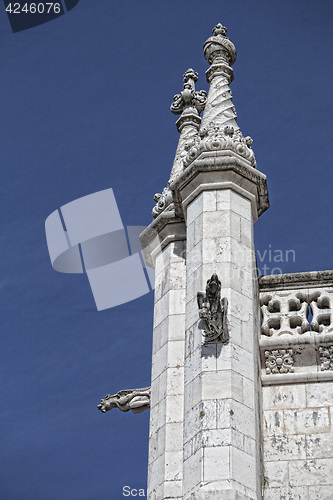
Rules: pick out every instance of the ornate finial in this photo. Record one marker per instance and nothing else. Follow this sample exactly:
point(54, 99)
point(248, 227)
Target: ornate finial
point(219, 30)
point(190, 74)
point(189, 99)
point(220, 53)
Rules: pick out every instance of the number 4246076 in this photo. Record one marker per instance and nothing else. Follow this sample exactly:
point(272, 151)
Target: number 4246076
point(34, 8)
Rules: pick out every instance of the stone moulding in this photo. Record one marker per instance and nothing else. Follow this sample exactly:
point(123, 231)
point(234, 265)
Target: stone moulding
point(215, 139)
point(167, 227)
point(225, 165)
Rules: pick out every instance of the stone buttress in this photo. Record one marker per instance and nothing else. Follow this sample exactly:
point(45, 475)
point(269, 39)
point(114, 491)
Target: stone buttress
point(205, 436)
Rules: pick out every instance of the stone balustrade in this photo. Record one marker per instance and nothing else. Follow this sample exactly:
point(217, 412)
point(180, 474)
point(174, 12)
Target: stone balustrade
point(296, 341)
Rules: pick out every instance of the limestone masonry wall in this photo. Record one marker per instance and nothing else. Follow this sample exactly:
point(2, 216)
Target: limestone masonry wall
point(297, 376)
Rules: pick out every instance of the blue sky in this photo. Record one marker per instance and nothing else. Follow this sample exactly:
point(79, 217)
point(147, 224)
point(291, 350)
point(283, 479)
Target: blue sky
point(85, 106)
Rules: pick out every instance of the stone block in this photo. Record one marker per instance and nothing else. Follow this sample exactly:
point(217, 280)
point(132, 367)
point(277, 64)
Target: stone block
point(162, 385)
point(195, 208)
point(248, 284)
point(246, 231)
point(156, 493)
point(243, 468)
point(276, 474)
point(241, 307)
point(192, 365)
point(159, 361)
point(233, 357)
point(194, 259)
point(192, 318)
point(225, 384)
point(196, 390)
point(156, 473)
point(174, 409)
point(287, 447)
point(223, 197)
point(235, 226)
point(207, 414)
point(198, 229)
point(176, 327)
point(190, 236)
point(173, 490)
point(241, 205)
point(273, 422)
point(175, 381)
point(157, 416)
point(187, 449)
point(213, 437)
point(216, 463)
point(287, 493)
point(173, 437)
point(321, 492)
point(174, 465)
point(195, 283)
point(161, 309)
point(249, 393)
point(319, 446)
point(192, 472)
point(209, 201)
point(155, 397)
point(235, 326)
point(215, 223)
point(307, 421)
point(311, 472)
point(175, 355)
point(319, 394)
point(278, 397)
point(157, 443)
point(230, 413)
point(208, 357)
point(177, 301)
point(191, 422)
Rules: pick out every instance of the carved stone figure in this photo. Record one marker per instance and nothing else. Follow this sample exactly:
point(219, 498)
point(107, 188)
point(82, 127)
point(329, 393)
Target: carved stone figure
point(136, 400)
point(213, 311)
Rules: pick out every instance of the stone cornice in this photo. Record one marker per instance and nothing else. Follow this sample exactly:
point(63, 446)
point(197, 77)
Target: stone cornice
point(167, 227)
point(220, 162)
point(311, 279)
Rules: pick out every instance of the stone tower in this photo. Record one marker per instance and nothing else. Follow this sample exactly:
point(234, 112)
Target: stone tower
point(205, 435)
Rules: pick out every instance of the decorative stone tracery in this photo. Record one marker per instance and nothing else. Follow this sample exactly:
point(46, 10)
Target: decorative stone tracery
point(289, 311)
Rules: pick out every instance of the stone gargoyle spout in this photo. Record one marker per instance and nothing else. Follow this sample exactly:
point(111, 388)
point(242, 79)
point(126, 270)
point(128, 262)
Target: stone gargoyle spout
point(136, 400)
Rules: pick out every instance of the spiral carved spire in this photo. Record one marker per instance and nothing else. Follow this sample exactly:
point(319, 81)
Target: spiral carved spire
point(219, 129)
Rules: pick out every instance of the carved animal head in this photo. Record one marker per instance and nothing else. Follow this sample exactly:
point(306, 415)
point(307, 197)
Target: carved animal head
point(108, 403)
point(213, 286)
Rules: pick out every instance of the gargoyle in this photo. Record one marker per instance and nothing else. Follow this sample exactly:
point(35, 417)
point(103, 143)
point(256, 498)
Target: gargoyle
point(136, 400)
point(213, 311)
